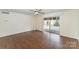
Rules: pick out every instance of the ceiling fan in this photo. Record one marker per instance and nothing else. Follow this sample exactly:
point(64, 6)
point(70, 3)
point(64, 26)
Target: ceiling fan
point(37, 11)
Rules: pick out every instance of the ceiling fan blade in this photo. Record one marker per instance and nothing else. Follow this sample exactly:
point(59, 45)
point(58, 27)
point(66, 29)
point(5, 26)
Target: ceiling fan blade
point(41, 13)
point(36, 11)
point(31, 10)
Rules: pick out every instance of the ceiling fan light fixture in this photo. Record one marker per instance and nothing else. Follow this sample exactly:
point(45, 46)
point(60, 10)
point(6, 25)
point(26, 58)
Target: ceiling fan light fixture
point(36, 13)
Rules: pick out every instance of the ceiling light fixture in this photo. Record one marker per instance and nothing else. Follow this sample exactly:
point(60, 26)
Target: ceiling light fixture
point(36, 13)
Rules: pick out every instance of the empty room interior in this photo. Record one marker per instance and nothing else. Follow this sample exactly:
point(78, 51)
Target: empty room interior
point(39, 28)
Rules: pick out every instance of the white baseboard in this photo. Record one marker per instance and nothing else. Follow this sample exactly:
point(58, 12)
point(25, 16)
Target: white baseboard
point(8, 34)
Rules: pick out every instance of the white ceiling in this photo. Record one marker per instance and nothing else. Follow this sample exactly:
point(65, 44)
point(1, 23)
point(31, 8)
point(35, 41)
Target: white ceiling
point(29, 12)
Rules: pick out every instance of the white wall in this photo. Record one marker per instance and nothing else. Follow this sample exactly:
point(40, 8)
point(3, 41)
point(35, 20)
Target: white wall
point(15, 23)
point(39, 22)
point(69, 24)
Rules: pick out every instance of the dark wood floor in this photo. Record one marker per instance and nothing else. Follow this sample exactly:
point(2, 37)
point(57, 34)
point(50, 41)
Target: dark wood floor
point(69, 43)
point(37, 40)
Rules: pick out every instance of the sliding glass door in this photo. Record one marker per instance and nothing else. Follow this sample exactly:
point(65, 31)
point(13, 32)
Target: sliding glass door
point(51, 25)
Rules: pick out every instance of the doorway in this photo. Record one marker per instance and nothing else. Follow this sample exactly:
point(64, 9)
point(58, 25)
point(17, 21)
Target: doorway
point(51, 24)
point(52, 30)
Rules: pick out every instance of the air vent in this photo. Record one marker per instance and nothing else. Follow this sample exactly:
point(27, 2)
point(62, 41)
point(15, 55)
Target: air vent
point(5, 12)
